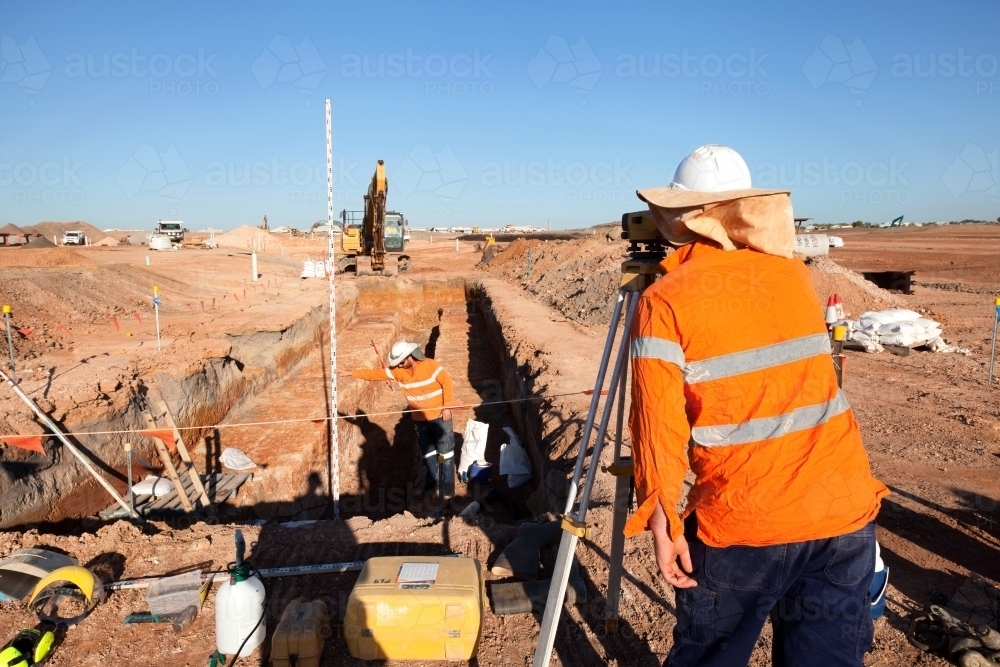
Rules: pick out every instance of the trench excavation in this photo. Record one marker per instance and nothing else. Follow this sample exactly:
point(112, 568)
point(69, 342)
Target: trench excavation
point(381, 473)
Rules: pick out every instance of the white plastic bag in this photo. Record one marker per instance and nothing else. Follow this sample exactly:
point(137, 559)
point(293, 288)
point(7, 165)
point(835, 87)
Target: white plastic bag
point(236, 459)
point(514, 461)
point(473, 445)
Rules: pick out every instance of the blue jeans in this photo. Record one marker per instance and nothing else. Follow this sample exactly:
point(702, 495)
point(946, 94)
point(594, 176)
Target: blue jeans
point(815, 593)
point(437, 437)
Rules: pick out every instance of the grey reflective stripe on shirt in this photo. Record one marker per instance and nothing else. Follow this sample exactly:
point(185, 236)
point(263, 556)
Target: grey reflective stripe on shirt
point(648, 347)
point(757, 359)
point(422, 383)
point(424, 397)
point(767, 428)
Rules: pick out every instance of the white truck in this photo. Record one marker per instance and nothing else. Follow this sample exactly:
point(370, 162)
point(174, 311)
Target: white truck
point(172, 229)
point(74, 238)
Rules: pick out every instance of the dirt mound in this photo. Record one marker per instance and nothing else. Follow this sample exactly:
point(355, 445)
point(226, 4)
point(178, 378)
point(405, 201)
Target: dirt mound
point(580, 278)
point(49, 229)
point(39, 242)
point(858, 294)
point(41, 256)
point(244, 237)
point(107, 241)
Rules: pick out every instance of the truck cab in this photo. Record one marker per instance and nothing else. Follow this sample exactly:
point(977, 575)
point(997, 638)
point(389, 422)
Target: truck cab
point(172, 229)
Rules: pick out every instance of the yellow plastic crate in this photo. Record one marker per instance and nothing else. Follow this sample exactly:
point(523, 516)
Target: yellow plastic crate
point(416, 608)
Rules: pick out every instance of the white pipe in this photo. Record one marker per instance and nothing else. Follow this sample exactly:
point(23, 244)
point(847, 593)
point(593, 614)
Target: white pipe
point(253, 265)
point(76, 452)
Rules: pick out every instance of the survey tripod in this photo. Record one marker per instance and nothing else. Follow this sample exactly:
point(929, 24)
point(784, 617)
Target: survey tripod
point(647, 248)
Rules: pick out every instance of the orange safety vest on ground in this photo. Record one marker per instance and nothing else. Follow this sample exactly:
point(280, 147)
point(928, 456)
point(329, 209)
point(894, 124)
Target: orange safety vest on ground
point(732, 376)
point(427, 386)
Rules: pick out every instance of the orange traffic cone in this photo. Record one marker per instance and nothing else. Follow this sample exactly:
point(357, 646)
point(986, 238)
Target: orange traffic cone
point(831, 310)
point(840, 307)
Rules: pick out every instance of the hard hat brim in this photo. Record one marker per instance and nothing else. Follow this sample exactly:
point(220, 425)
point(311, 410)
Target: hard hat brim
point(677, 197)
point(407, 351)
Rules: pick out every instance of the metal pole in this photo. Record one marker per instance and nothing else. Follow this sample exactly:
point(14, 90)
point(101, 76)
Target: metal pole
point(567, 543)
point(73, 450)
point(993, 347)
point(332, 269)
point(594, 400)
point(156, 310)
point(128, 457)
point(10, 342)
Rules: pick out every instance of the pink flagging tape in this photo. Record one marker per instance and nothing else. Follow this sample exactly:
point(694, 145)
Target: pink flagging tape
point(114, 321)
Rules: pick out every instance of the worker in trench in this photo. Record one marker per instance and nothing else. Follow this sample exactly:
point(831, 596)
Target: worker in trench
point(733, 378)
point(429, 394)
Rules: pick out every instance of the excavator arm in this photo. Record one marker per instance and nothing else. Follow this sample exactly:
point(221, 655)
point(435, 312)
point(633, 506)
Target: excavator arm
point(374, 222)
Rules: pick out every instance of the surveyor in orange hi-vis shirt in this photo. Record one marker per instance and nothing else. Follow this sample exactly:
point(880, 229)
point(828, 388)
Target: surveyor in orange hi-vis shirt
point(429, 394)
point(733, 378)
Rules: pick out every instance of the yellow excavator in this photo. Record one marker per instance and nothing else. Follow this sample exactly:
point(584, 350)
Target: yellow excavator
point(374, 240)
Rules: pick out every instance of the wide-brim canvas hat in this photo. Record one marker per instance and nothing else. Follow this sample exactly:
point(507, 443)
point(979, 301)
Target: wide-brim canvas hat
point(676, 196)
point(401, 350)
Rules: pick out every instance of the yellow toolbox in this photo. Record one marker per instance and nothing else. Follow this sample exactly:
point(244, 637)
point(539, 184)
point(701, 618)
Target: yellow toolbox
point(416, 608)
point(301, 632)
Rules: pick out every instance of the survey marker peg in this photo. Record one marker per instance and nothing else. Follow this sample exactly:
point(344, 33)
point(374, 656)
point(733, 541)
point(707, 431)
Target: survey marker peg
point(10, 342)
point(993, 346)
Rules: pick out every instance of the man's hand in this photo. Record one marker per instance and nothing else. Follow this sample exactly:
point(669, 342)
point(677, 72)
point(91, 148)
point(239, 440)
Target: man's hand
point(446, 415)
point(668, 552)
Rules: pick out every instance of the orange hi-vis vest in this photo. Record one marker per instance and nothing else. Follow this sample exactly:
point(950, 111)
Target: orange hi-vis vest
point(732, 376)
point(427, 386)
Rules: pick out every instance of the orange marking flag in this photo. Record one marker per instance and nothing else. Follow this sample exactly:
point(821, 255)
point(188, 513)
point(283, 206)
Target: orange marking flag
point(30, 442)
point(164, 434)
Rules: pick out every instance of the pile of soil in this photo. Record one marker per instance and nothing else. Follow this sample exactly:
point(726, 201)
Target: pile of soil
point(859, 295)
point(39, 242)
point(107, 241)
point(243, 237)
point(49, 229)
point(580, 278)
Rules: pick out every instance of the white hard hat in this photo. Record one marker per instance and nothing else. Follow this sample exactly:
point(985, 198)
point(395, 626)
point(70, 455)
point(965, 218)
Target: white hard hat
point(401, 351)
point(712, 168)
point(710, 174)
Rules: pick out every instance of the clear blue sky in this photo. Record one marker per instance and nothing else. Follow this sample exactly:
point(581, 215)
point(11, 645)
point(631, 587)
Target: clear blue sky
point(488, 113)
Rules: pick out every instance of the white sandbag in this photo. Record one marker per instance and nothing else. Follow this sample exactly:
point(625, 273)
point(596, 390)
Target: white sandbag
point(514, 461)
point(236, 459)
point(889, 316)
point(862, 336)
point(900, 328)
point(904, 340)
point(153, 486)
point(473, 445)
point(926, 323)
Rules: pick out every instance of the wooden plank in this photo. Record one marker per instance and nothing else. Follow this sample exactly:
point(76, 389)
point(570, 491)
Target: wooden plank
point(168, 463)
point(229, 484)
point(192, 471)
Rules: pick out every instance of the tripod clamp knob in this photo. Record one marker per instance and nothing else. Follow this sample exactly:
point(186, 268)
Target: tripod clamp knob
point(578, 528)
